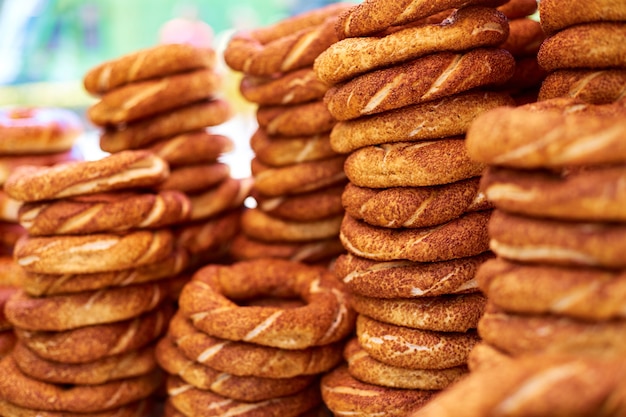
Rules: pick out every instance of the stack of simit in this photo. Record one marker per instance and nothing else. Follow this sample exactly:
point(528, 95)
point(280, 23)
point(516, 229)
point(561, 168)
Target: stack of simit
point(298, 177)
point(406, 80)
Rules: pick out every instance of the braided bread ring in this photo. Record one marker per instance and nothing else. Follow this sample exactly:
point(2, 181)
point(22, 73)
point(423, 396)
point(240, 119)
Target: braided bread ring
point(412, 207)
point(9, 163)
point(560, 14)
point(517, 9)
point(411, 164)
point(190, 148)
point(414, 348)
point(184, 119)
point(249, 359)
point(345, 395)
point(428, 78)
point(280, 150)
point(136, 409)
point(569, 195)
point(122, 170)
point(111, 368)
point(444, 117)
point(294, 87)
point(592, 45)
point(306, 119)
point(297, 178)
point(88, 344)
point(371, 371)
point(244, 248)
point(464, 29)
point(450, 313)
point(207, 301)
point(229, 194)
point(553, 133)
point(587, 293)
point(110, 212)
point(193, 401)
point(154, 62)
point(78, 398)
point(38, 285)
point(145, 98)
point(538, 385)
point(78, 254)
point(315, 205)
point(242, 388)
point(557, 242)
point(520, 334)
point(591, 86)
point(291, 44)
point(261, 226)
point(405, 279)
point(459, 238)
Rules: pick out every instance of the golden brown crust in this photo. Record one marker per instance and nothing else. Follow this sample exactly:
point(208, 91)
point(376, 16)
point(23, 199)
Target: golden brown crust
point(451, 313)
point(445, 117)
point(560, 132)
point(153, 62)
point(87, 344)
point(11, 274)
point(136, 409)
point(242, 388)
point(560, 14)
point(193, 401)
point(591, 86)
point(245, 248)
point(248, 359)
point(197, 177)
point(414, 206)
point(582, 293)
point(10, 162)
point(483, 355)
point(6, 293)
point(298, 178)
point(210, 235)
point(123, 170)
point(371, 371)
point(7, 341)
point(38, 130)
point(373, 16)
point(406, 279)
point(424, 79)
point(525, 37)
point(290, 44)
point(184, 119)
point(557, 242)
point(466, 28)
point(306, 119)
point(314, 205)
point(459, 238)
point(229, 194)
point(77, 254)
point(325, 318)
point(286, 150)
point(593, 45)
point(262, 226)
point(193, 147)
point(142, 99)
point(294, 87)
point(589, 194)
point(525, 81)
point(346, 395)
point(77, 398)
point(517, 9)
point(411, 164)
point(107, 212)
point(9, 208)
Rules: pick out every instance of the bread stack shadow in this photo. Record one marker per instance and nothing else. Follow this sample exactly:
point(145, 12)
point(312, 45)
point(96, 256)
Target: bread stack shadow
point(298, 178)
point(98, 263)
point(30, 136)
point(404, 88)
point(165, 99)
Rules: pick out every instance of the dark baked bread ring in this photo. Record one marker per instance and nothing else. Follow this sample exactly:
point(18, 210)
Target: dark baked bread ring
point(556, 15)
point(592, 86)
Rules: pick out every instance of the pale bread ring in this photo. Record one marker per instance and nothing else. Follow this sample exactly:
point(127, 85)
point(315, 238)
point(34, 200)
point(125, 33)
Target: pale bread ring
point(371, 371)
point(422, 80)
point(592, 86)
point(466, 28)
point(414, 206)
point(123, 170)
point(441, 118)
point(305, 119)
point(556, 15)
point(580, 195)
point(287, 150)
point(459, 238)
point(406, 279)
point(294, 87)
point(9, 208)
point(411, 164)
point(245, 248)
point(450, 313)
point(536, 240)
point(414, 348)
point(262, 226)
point(325, 318)
point(581, 293)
